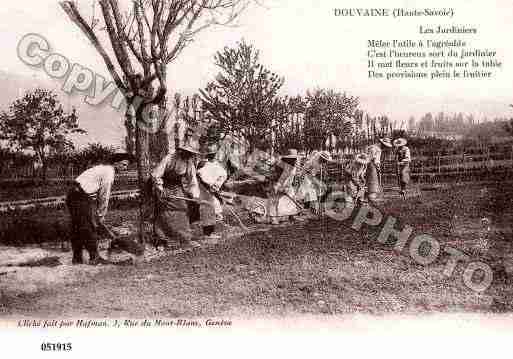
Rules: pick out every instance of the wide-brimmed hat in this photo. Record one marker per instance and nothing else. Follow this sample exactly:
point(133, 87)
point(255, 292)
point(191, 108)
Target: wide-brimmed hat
point(291, 153)
point(190, 142)
point(398, 142)
point(325, 155)
point(386, 141)
point(361, 158)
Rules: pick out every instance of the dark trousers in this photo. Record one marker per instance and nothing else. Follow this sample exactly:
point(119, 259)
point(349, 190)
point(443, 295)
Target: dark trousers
point(83, 228)
point(404, 176)
point(195, 216)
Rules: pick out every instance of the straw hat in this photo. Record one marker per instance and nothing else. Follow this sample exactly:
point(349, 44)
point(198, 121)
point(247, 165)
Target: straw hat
point(398, 142)
point(325, 156)
point(291, 153)
point(361, 158)
point(385, 141)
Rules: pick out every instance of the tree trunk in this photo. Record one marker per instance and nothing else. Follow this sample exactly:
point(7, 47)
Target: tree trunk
point(45, 167)
point(130, 133)
point(159, 141)
point(148, 146)
point(143, 169)
point(44, 164)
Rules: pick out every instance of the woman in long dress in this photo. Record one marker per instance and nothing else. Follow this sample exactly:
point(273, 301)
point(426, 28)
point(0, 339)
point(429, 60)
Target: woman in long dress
point(374, 168)
point(312, 189)
point(175, 178)
point(281, 202)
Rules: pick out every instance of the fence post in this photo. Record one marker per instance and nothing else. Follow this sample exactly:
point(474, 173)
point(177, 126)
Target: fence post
point(421, 174)
point(462, 167)
point(467, 176)
point(438, 156)
point(511, 160)
point(488, 162)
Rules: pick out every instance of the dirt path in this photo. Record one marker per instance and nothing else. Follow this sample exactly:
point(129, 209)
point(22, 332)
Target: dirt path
point(310, 269)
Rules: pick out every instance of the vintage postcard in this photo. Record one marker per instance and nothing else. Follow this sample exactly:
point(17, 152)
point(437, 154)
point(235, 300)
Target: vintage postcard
point(291, 176)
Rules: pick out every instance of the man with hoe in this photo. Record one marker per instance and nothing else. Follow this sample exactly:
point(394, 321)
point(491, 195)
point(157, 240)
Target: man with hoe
point(87, 201)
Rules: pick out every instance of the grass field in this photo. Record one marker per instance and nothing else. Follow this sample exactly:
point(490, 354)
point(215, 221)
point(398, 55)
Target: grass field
point(317, 267)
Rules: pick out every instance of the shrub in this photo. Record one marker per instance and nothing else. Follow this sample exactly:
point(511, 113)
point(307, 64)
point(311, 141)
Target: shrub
point(22, 231)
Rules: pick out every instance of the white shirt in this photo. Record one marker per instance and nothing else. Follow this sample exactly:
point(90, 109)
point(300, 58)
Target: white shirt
point(374, 153)
point(213, 174)
point(403, 155)
point(97, 181)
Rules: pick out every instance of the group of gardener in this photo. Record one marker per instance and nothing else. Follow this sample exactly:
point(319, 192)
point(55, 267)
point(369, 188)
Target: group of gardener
point(292, 187)
point(186, 186)
point(364, 171)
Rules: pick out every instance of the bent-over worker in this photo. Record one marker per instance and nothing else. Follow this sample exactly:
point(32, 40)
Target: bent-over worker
point(88, 201)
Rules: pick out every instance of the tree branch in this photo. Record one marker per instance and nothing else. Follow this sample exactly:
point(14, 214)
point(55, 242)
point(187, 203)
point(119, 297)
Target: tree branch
point(71, 10)
point(184, 37)
point(121, 34)
point(138, 11)
point(116, 42)
point(133, 49)
point(157, 13)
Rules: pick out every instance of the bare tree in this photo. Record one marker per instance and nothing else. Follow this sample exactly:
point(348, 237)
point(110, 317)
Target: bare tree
point(144, 36)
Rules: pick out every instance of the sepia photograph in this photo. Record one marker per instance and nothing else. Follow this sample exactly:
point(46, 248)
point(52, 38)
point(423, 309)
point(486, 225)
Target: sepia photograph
point(172, 170)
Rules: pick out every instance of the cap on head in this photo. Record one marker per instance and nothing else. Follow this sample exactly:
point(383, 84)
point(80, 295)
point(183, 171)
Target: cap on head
point(326, 156)
point(291, 153)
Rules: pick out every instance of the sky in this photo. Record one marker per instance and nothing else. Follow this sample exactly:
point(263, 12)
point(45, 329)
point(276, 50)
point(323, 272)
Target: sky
point(303, 41)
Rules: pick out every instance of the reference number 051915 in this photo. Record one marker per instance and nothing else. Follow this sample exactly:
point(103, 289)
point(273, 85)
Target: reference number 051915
point(56, 347)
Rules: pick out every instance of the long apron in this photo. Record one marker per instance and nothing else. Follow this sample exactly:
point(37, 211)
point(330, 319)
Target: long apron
point(280, 201)
point(307, 191)
point(211, 177)
point(209, 213)
point(283, 206)
point(404, 174)
point(373, 186)
point(172, 220)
